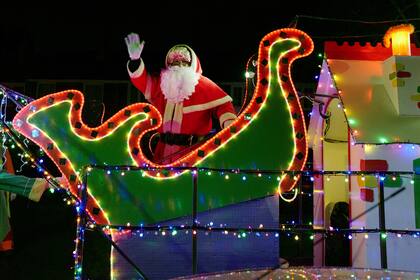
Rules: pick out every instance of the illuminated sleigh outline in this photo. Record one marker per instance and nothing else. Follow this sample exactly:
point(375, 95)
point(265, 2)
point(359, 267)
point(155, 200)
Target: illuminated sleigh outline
point(276, 138)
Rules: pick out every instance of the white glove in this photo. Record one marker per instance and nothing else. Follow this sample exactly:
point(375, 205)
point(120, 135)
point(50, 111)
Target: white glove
point(134, 46)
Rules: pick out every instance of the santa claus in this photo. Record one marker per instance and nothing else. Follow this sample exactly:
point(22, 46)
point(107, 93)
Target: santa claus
point(186, 99)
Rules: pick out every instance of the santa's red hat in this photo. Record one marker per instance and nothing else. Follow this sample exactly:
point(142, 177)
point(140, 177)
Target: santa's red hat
point(184, 53)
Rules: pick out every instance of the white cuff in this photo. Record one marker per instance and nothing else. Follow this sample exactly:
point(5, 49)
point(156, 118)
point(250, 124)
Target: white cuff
point(226, 117)
point(138, 72)
point(38, 188)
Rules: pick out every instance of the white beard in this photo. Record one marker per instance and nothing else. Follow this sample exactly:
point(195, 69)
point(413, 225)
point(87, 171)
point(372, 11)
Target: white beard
point(178, 83)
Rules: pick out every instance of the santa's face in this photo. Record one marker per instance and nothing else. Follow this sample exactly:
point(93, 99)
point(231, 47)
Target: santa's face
point(178, 82)
point(180, 63)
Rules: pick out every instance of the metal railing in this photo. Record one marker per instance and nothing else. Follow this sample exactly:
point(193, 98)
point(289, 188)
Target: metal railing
point(194, 227)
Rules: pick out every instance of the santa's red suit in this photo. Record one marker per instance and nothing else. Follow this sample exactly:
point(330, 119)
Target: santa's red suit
point(190, 115)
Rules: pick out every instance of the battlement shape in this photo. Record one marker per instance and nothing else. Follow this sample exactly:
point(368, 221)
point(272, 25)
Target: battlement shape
point(399, 73)
point(361, 51)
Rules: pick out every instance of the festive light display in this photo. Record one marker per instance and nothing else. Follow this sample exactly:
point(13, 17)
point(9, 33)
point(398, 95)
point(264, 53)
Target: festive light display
point(275, 138)
point(368, 132)
point(55, 124)
point(304, 273)
point(293, 231)
point(72, 102)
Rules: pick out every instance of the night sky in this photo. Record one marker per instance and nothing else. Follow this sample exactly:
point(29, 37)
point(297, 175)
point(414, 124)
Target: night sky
point(75, 41)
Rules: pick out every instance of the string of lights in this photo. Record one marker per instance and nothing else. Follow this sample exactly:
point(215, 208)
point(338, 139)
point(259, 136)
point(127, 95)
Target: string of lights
point(257, 172)
point(296, 231)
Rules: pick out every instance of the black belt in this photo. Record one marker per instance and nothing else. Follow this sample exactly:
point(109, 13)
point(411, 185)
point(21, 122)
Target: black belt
point(180, 139)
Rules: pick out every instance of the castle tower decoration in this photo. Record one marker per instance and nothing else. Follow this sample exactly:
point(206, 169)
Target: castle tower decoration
point(400, 70)
point(366, 119)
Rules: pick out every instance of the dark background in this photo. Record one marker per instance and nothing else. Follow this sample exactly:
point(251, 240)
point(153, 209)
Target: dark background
point(83, 41)
point(76, 41)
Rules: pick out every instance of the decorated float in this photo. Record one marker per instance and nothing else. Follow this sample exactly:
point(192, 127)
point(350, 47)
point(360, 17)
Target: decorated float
point(269, 134)
point(217, 207)
point(367, 120)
